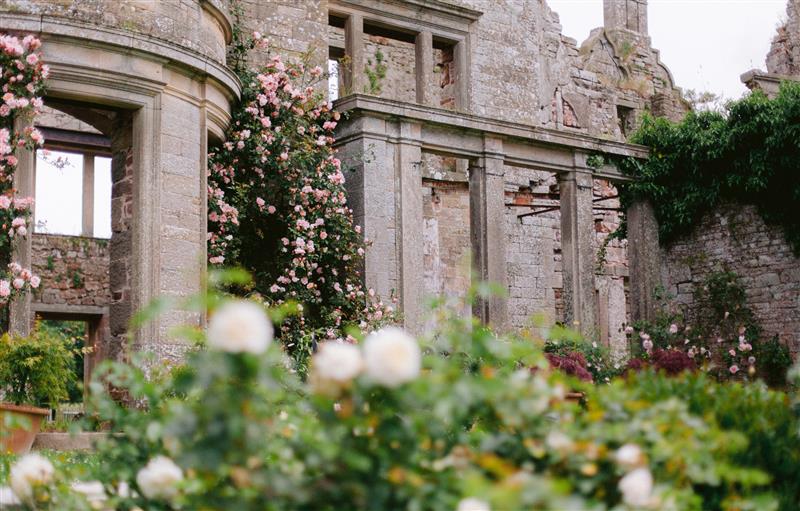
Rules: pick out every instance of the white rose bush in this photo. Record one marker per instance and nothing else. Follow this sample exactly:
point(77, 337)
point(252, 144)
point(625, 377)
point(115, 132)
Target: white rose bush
point(459, 419)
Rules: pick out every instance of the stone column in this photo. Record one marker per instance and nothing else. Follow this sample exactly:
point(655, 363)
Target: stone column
point(461, 60)
point(410, 220)
point(363, 148)
point(423, 66)
point(577, 230)
point(353, 72)
point(643, 257)
point(88, 195)
point(24, 183)
point(487, 230)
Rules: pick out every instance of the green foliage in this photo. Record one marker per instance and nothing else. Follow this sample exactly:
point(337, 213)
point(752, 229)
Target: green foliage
point(747, 154)
point(765, 417)
point(35, 370)
point(485, 418)
point(720, 333)
point(73, 335)
point(375, 73)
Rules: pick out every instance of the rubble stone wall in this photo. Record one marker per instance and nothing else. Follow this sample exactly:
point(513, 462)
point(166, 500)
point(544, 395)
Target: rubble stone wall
point(73, 269)
point(735, 238)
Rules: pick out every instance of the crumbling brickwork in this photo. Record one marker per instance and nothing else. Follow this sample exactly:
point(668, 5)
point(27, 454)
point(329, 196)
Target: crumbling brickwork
point(784, 54)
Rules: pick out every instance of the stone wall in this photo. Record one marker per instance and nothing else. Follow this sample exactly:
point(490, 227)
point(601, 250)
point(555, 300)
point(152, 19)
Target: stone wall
point(73, 269)
point(294, 28)
point(446, 239)
point(737, 239)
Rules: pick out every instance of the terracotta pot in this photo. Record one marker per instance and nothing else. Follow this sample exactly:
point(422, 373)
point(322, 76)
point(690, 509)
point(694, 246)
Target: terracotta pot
point(19, 440)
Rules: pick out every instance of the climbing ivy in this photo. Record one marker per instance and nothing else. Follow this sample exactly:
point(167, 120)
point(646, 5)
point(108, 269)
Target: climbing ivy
point(749, 153)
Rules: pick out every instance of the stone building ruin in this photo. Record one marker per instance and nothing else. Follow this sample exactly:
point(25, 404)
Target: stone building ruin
point(475, 152)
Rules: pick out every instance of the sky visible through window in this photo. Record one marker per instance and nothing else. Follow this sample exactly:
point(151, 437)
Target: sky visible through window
point(59, 194)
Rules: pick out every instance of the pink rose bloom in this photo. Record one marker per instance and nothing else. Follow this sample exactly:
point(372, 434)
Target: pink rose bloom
point(647, 344)
point(35, 282)
point(5, 288)
point(260, 202)
point(18, 283)
point(673, 328)
point(270, 209)
point(734, 369)
point(732, 353)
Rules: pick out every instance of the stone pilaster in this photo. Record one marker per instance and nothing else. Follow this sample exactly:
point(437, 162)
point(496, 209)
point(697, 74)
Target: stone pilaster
point(370, 170)
point(409, 216)
point(24, 183)
point(577, 230)
point(487, 226)
point(643, 255)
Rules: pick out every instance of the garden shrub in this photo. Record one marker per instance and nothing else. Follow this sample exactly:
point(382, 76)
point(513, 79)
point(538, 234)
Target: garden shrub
point(765, 417)
point(719, 334)
point(35, 370)
point(456, 420)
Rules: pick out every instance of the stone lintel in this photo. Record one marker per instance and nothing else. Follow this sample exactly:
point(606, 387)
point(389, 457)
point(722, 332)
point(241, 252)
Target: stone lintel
point(769, 83)
point(445, 20)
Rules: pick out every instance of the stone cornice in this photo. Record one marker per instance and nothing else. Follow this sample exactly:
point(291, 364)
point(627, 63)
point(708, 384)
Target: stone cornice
point(121, 41)
point(358, 103)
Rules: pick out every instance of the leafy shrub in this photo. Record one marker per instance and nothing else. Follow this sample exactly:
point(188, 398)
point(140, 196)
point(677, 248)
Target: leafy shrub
point(35, 370)
point(763, 416)
point(458, 420)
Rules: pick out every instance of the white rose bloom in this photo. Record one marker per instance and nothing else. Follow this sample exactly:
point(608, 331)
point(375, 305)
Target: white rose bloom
point(27, 473)
point(159, 478)
point(392, 357)
point(240, 327)
point(473, 504)
point(637, 488)
point(558, 441)
point(92, 490)
point(334, 365)
point(629, 456)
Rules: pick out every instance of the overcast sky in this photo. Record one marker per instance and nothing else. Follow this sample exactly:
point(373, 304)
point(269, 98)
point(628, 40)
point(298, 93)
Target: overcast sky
point(707, 44)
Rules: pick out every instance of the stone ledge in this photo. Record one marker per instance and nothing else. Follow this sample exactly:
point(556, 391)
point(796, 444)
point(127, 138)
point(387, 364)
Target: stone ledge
point(83, 441)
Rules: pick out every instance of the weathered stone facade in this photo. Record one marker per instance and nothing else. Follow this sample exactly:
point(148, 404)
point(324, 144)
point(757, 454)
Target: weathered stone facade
point(471, 154)
point(147, 84)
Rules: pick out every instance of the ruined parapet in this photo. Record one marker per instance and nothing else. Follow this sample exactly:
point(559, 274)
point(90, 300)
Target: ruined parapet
point(784, 54)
